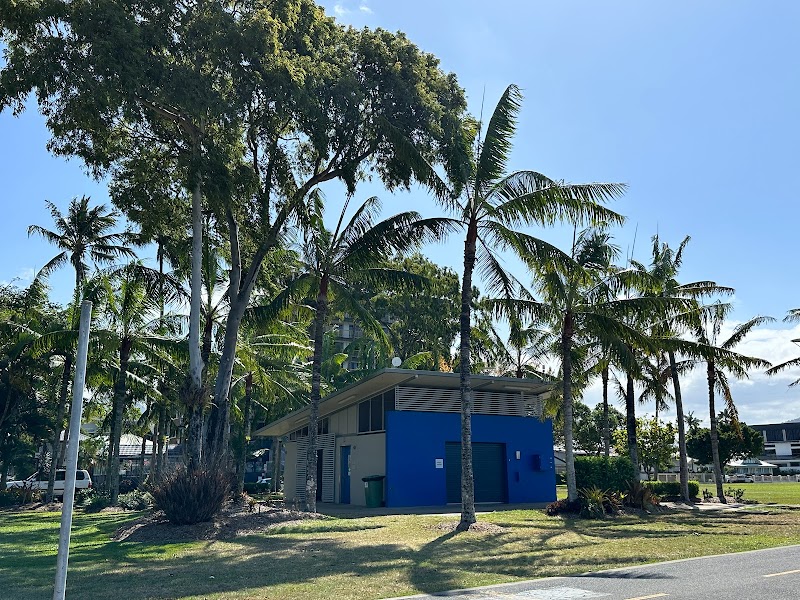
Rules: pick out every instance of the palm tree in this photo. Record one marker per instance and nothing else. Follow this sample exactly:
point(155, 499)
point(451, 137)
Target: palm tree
point(719, 357)
point(793, 316)
point(663, 271)
point(129, 299)
point(490, 204)
point(577, 303)
point(83, 233)
point(332, 263)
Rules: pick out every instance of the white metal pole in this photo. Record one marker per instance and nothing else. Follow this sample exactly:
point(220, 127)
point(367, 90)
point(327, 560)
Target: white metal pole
point(60, 588)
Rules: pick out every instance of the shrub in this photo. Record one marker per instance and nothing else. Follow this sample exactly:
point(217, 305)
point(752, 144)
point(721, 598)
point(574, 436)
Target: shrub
point(19, 496)
point(672, 488)
point(188, 497)
point(736, 493)
point(127, 485)
point(561, 479)
point(640, 495)
point(612, 473)
point(96, 501)
point(257, 488)
point(562, 506)
point(135, 500)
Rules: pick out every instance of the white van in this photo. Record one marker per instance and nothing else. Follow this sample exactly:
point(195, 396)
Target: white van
point(38, 481)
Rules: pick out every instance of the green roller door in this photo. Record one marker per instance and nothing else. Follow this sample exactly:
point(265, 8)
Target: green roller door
point(489, 466)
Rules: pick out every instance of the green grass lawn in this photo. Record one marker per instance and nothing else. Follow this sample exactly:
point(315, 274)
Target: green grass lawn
point(363, 558)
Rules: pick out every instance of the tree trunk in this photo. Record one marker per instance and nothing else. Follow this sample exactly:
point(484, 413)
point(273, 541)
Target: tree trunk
point(155, 450)
point(630, 423)
point(566, 386)
point(276, 465)
point(465, 323)
point(220, 434)
point(248, 421)
point(316, 378)
point(120, 392)
point(682, 452)
point(3, 476)
point(194, 395)
point(59, 423)
point(606, 427)
point(718, 474)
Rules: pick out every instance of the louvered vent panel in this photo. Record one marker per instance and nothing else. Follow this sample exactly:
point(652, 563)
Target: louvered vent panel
point(485, 403)
point(533, 405)
point(300, 469)
point(326, 443)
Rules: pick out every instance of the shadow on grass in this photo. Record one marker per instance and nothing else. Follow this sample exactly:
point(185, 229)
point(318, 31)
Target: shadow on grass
point(315, 553)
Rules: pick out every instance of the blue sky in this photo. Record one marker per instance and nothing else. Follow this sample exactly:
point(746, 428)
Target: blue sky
point(696, 106)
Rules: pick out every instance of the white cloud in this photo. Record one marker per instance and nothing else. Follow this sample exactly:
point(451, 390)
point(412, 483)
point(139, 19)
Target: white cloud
point(365, 9)
point(26, 275)
point(340, 10)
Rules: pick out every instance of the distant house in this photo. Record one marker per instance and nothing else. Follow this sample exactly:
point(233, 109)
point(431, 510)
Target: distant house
point(751, 466)
point(781, 444)
point(405, 425)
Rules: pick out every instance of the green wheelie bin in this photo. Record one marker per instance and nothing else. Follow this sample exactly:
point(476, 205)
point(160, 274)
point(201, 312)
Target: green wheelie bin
point(373, 490)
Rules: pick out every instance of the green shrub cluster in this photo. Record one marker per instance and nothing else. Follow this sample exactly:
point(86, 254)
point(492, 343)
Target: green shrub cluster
point(19, 496)
point(94, 501)
point(136, 500)
point(613, 473)
point(257, 488)
point(672, 488)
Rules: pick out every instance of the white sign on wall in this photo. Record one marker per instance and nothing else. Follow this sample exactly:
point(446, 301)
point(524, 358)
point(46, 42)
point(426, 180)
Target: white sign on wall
point(440, 463)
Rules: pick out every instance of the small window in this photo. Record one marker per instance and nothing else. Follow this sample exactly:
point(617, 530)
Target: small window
point(376, 421)
point(61, 475)
point(388, 400)
point(363, 417)
point(79, 475)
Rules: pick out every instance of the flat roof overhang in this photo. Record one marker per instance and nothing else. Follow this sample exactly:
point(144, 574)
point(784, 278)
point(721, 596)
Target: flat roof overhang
point(389, 378)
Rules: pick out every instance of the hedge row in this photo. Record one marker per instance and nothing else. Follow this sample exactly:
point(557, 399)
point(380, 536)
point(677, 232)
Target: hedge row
point(613, 473)
point(672, 488)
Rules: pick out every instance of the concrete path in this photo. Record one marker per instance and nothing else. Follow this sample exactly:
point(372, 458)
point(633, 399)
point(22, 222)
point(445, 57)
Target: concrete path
point(772, 574)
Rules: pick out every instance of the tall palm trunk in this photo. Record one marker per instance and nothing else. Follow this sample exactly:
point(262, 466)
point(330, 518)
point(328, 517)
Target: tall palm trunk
point(57, 429)
point(193, 392)
point(606, 428)
point(120, 391)
point(467, 475)
point(711, 376)
point(682, 452)
point(630, 423)
point(316, 378)
point(248, 421)
point(567, 332)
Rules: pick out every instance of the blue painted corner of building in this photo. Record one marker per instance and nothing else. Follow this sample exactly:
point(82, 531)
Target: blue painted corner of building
point(417, 462)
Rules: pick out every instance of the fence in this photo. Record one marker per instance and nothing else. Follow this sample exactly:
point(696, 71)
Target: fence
point(709, 478)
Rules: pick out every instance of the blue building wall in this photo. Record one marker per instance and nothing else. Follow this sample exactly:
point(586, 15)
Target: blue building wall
point(414, 440)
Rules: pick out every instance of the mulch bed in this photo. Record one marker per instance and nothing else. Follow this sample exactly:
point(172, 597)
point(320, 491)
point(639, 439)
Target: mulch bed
point(231, 522)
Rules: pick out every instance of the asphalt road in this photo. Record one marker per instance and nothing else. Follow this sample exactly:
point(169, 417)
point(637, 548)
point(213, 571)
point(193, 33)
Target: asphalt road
point(772, 574)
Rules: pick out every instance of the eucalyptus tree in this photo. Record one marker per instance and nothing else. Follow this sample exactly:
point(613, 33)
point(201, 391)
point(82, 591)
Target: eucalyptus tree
point(576, 302)
point(353, 102)
point(663, 272)
point(331, 264)
point(165, 90)
point(84, 233)
point(128, 299)
point(720, 360)
point(488, 203)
